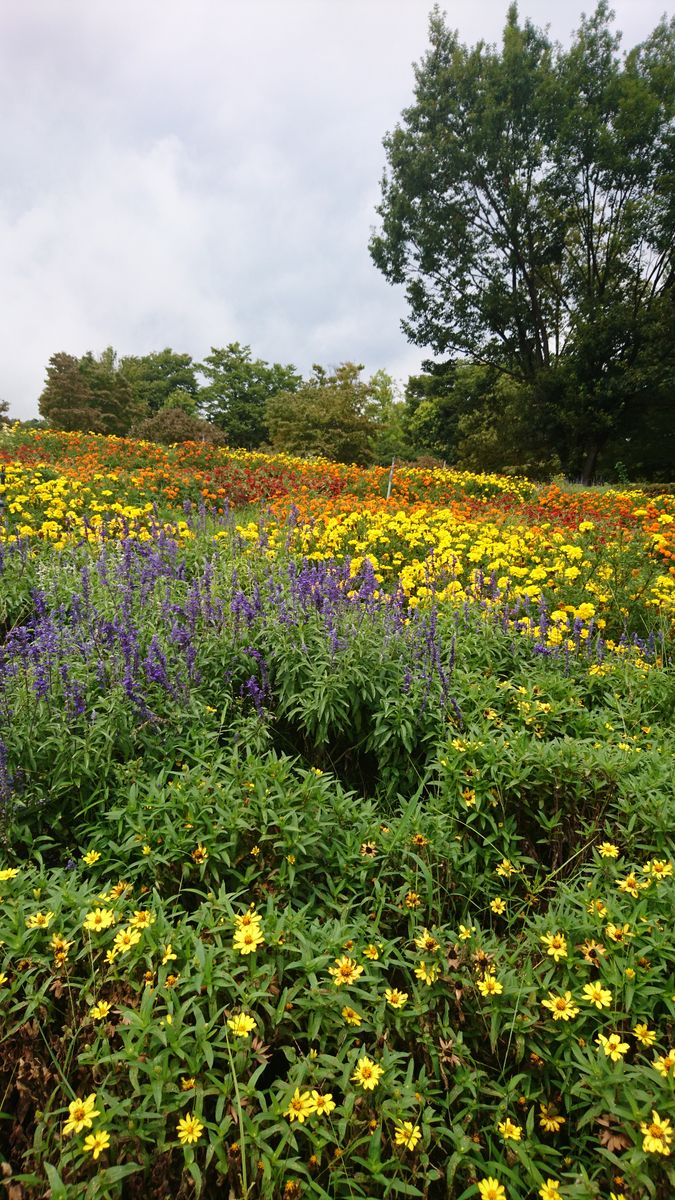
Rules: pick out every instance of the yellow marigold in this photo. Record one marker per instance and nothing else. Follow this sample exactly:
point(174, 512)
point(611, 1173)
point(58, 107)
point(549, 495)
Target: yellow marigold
point(81, 1115)
point(657, 1135)
point(322, 1103)
point(247, 939)
point(407, 1134)
point(367, 1074)
point(346, 971)
point(491, 1189)
point(96, 1143)
point(99, 918)
point(395, 998)
point(556, 945)
point(300, 1107)
point(562, 1008)
point(510, 1131)
point(599, 996)
point(241, 1025)
point(489, 986)
point(39, 920)
point(613, 1047)
point(189, 1129)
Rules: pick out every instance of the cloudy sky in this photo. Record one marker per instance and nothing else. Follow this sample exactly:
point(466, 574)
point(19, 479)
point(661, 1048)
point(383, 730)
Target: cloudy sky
point(189, 174)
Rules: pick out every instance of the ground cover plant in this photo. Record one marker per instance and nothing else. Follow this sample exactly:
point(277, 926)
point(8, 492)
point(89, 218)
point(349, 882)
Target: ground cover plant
point(337, 831)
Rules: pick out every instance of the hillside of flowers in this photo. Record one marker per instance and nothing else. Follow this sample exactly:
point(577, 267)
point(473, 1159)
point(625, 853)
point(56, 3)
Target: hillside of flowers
point(337, 830)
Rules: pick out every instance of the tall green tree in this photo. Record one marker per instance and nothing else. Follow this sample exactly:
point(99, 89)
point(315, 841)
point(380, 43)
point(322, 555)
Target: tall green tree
point(237, 392)
point(161, 379)
point(329, 415)
point(89, 394)
point(527, 208)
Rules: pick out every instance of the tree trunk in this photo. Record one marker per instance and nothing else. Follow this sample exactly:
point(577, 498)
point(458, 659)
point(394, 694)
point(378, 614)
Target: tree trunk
point(590, 463)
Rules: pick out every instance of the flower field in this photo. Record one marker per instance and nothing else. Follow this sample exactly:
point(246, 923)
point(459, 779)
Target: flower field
point(337, 830)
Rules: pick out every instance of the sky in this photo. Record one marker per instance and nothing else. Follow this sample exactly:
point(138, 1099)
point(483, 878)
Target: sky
point(193, 174)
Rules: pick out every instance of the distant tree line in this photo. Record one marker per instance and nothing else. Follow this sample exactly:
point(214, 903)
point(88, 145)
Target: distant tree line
point(459, 413)
point(231, 399)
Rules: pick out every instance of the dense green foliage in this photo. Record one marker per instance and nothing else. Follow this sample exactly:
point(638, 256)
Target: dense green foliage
point(528, 208)
point(414, 802)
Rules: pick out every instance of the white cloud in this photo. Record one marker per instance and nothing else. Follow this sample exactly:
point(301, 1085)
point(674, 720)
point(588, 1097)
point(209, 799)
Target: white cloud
point(190, 175)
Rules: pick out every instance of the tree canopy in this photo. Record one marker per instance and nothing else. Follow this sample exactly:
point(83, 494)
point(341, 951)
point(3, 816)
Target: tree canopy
point(160, 379)
point(88, 393)
point(528, 210)
point(237, 391)
point(328, 415)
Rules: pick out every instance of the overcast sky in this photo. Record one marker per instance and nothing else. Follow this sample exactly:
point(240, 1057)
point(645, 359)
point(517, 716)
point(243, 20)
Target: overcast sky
point(189, 173)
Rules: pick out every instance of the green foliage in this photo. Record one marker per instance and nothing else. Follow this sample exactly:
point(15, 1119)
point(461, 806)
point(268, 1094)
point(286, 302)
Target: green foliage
point(160, 380)
point(528, 209)
point(89, 394)
point(331, 415)
point(174, 424)
point(238, 389)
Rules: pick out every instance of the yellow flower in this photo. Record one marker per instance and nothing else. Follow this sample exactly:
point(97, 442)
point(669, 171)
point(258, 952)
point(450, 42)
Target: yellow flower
point(371, 952)
point(659, 868)
point(556, 945)
point(125, 939)
point(395, 998)
point(187, 1083)
point(300, 1107)
point(613, 1047)
point(412, 900)
point(96, 1143)
point(618, 933)
point(426, 941)
point(510, 1131)
point(322, 1104)
point(665, 1063)
point(142, 919)
point(489, 986)
point(418, 839)
point(644, 1034)
point(608, 850)
point(550, 1119)
point(599, 996)
point(491, 1189)
point(98, 1012)
point(631, 884)
point(562, 1008)
point(147, 849)
point(200, 855)
point(168, 955)
point(81, 1115)
point(350, 1016)
point(241, 1025)
point(406, 1134)
point(658, 1135)
point(597, 909)
point(550, 1190)
point(367, 1074)
point(427, 974)
point(189, 1129)
point(498, 906)
point(346, 971)
point(505, 868)
point(249, 919)
point(8, 873)
point(99, 918)
point(247, 939)
point(3, 978)
point(91, 857)
point(465, 932)
point(39, 920)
